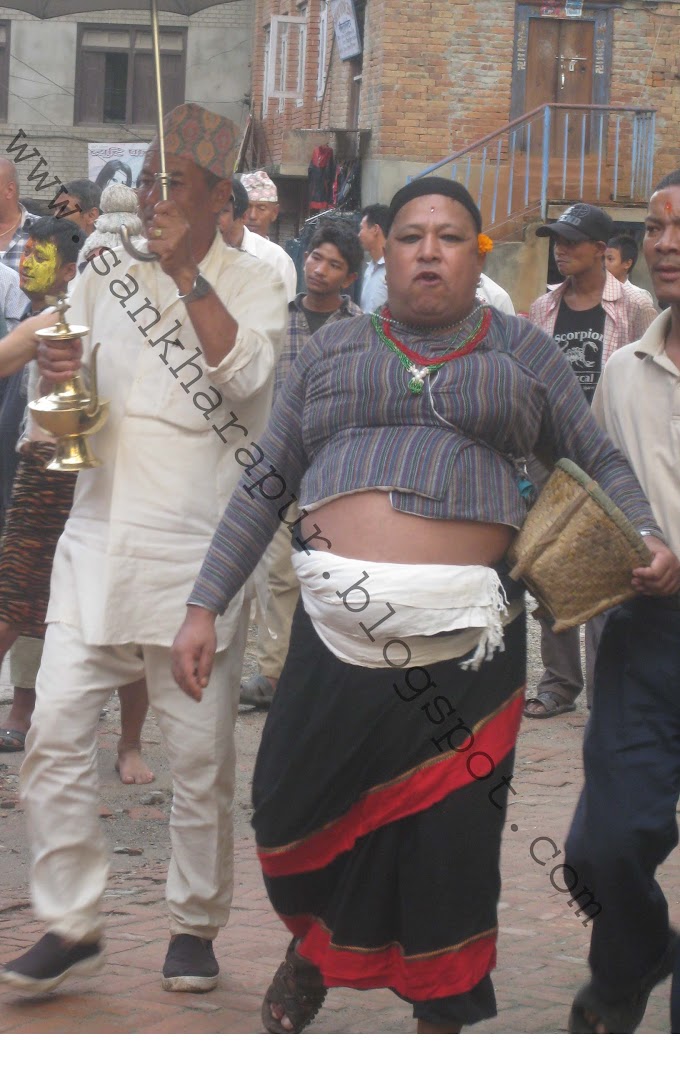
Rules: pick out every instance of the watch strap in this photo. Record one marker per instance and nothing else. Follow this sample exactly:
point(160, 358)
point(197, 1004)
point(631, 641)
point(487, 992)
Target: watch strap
point(199, 289)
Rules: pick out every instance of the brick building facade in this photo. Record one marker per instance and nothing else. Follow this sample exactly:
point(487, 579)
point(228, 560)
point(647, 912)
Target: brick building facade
point(434, 77)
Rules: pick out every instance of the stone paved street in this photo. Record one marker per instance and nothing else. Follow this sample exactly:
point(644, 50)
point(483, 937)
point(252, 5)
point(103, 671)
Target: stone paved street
point(542, 950)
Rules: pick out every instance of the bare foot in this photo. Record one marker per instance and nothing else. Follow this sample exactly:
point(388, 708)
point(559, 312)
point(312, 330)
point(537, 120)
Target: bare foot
point(279, 1013)
point(130, 766)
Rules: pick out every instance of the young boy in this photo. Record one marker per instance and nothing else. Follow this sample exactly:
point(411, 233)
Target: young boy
point(332, 263)
point(619, 258)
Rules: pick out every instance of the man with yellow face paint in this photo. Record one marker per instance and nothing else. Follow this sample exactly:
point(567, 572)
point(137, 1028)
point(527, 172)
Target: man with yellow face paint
point(41, 502)
point(38, 269)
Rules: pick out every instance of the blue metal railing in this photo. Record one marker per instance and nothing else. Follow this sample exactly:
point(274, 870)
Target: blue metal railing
point(557, 152)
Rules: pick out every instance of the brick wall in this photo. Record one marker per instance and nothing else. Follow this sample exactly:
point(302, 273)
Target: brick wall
point(437, 76)
point(440, 85)
point(646, 71)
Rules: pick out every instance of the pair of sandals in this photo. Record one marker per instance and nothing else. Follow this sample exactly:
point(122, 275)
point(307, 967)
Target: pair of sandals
point(547, 706)
point(298, 990)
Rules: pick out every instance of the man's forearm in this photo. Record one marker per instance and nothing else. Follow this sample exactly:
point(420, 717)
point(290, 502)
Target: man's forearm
point(215, 328)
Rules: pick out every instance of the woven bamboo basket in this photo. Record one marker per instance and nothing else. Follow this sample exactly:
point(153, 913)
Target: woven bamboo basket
point(576, 549)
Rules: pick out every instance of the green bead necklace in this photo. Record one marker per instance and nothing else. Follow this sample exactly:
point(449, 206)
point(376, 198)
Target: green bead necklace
point(418, 366)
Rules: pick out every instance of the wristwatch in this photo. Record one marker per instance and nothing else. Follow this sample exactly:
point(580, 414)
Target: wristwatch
point(198, 290)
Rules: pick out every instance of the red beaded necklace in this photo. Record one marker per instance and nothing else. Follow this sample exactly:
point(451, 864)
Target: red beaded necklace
point(477, 334)
point(420, 367)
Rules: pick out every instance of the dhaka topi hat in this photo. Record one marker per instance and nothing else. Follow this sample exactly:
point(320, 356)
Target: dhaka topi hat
point(580, 222)
point(435, 187)
point(260, 188)
point(210, 141)
point(118, 208)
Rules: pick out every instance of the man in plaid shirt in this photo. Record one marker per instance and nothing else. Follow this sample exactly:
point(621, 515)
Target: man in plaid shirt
point(590, 315)
point(332, 263)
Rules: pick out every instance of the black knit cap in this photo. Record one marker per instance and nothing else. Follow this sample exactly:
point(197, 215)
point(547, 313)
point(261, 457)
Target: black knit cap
point(438, 187)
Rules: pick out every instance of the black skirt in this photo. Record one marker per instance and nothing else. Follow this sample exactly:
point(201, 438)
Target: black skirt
point(379, 799)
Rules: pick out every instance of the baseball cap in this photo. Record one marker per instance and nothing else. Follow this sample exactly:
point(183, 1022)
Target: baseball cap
point(580, 222)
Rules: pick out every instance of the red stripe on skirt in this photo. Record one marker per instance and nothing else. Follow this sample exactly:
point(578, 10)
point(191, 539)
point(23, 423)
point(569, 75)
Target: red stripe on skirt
point(443, 974)
point(413, 792)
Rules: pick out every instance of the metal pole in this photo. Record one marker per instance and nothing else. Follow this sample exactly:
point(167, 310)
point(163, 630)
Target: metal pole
point(162, 175)
point(159, 98)
point(545, 162)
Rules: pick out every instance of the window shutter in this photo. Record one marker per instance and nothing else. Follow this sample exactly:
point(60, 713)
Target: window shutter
point(90, 92)
point(144, 87)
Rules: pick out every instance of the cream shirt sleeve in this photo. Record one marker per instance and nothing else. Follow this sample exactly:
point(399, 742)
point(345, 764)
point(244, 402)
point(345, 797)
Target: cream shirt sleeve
point(254, 295)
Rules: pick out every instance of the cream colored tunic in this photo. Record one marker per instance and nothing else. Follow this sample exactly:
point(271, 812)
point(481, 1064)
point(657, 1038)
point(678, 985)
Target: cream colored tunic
point(142, 522)
point(277, 257)
point(637, 402)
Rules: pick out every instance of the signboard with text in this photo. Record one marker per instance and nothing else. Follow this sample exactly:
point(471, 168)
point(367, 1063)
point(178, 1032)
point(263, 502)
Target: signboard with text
point(346, 28)
point(115, 162)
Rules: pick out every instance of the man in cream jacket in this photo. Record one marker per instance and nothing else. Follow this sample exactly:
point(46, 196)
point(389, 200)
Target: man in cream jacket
point(186, 360)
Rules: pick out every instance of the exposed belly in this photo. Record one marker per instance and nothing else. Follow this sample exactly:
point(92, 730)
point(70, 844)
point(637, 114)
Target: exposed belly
point(366, 526)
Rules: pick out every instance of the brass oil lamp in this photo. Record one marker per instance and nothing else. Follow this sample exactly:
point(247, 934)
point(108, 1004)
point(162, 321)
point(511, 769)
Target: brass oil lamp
point(69, 412)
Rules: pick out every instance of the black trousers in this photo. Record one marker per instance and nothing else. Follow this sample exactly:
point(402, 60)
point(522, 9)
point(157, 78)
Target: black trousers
point(625, 822)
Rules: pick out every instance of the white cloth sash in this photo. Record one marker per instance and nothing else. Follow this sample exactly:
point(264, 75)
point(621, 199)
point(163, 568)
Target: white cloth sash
point(386, 614)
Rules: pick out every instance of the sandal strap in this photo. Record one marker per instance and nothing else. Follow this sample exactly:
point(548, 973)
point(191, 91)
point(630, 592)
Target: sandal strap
point(298, 988)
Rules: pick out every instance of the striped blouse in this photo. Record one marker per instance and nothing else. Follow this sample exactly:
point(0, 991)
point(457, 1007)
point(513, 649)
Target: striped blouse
point(345, 420)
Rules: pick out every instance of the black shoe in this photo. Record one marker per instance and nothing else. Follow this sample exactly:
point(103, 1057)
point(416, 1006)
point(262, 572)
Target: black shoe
point(49, 962)
point(190, 965)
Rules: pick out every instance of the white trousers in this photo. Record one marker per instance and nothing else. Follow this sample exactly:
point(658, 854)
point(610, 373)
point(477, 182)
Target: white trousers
point(59, 781)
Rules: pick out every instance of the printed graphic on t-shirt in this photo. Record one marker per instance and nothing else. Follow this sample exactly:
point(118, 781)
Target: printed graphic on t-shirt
point(580, 335)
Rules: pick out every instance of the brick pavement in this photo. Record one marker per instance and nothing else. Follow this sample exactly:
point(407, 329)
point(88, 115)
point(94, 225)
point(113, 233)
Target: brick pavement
point(542, 946)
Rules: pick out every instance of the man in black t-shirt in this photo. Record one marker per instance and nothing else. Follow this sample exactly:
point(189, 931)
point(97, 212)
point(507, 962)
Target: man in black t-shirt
point(590, 315)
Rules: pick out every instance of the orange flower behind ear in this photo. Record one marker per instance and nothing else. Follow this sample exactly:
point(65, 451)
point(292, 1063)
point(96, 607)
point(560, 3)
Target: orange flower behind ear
point(484, 243)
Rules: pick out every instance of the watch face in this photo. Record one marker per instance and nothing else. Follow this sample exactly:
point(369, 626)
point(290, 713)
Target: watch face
point(201, 286)
point(199, 289)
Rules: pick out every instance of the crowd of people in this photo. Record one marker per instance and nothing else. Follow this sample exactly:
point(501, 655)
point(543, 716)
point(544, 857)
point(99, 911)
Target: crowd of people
point(366, 517)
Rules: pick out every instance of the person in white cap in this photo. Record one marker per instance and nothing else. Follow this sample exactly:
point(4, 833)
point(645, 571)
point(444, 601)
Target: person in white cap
point(235, 233)
point(263, 202)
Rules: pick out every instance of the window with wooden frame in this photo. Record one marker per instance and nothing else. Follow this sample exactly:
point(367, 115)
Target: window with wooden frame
point(285, 58)
point(115, 77)
point(5, 28)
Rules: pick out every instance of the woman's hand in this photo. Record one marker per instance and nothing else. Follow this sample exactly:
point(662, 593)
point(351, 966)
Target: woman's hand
point(59, 360)
point(193, 651)
point(662, 576)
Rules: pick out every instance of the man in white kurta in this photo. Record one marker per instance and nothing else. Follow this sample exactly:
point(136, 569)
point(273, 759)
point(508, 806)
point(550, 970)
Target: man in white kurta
point(186, 362)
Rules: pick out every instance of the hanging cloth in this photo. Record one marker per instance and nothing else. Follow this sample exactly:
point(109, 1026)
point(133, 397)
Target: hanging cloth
point(321, 173)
